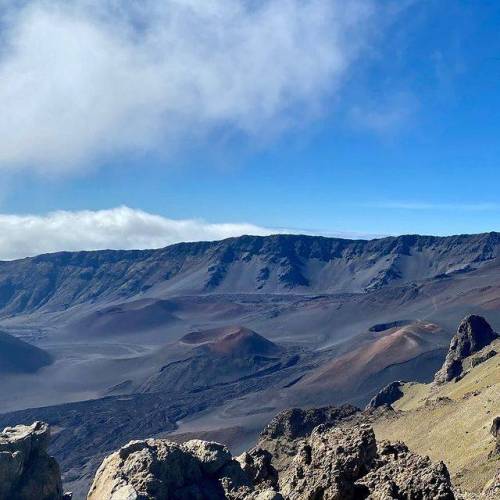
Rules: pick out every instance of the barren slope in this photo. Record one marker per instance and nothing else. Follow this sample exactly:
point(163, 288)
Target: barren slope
point(17, 356)
point(247, 264)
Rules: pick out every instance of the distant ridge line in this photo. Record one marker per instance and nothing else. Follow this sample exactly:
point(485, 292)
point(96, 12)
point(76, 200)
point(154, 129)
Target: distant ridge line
point(409, 236)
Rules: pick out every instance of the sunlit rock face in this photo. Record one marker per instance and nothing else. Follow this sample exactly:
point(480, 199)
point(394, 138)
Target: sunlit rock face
point(473, 334)
point(27, 472)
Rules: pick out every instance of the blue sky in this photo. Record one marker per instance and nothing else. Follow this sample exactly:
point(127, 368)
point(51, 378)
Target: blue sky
point(400, 137)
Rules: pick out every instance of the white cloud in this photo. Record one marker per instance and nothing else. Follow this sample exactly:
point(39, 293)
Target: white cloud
point(117, 228)
point(85, 79)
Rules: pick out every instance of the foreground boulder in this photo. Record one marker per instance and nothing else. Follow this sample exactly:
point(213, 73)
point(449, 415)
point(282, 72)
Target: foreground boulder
point(329, 464)
point(338, 459)
point(160, 469)
point(473, 334)
point(27, 472)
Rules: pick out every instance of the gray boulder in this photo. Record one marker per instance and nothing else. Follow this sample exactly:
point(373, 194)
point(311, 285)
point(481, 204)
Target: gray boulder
point(160, 469)
point(329, 463)
point(27, 472)
point(257, 464)
point(336, 460)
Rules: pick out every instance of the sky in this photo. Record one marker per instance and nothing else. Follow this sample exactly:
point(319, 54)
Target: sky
point(136, 124)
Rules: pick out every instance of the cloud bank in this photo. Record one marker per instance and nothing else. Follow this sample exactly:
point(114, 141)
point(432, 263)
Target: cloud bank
point(83, 80)
point(117, 228)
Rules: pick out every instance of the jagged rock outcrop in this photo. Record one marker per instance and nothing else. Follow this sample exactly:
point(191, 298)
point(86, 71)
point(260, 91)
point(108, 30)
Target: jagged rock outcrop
point(387, 396)
point(402, 474)
point(341, 460)
point(298, 422)
point(27, 472)
point(473, 334)
point(258, 465)
point(329, 463)
point(482, 357)
point(157, 468)
point(338, 459)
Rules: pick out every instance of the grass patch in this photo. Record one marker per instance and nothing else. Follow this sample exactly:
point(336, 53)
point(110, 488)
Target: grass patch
point(454, 428)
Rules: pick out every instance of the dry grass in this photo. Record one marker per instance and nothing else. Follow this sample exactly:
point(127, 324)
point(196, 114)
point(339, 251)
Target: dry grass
point(454, 430)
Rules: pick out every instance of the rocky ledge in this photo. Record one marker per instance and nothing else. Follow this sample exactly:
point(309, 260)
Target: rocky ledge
point(337, 460)
point(27, 472)
point(473, 334)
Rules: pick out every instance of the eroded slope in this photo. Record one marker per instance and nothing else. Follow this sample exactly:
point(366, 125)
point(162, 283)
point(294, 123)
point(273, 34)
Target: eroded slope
point(452, 422)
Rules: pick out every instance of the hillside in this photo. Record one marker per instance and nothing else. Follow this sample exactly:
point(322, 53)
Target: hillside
point(17, 356)
point(217, 356)
point(248, 264)
point(210, 337)
point(391, 347)
point(452, 422)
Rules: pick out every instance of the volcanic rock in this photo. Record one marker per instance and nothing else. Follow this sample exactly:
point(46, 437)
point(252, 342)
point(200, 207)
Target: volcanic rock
point(157, 468)
point(482, 357)
point(297, 422)
point(388, 395)
point(402, 474)
point(473, 334)
point(329, 463)
point(27, 472)
point(339, 459)
point(257, 463)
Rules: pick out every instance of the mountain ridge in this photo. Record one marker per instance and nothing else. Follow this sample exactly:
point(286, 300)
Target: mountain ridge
point(246, 264)
point(353, 309)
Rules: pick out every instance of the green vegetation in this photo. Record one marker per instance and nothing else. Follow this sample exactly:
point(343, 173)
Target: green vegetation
point(451, 422)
